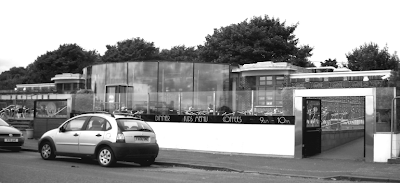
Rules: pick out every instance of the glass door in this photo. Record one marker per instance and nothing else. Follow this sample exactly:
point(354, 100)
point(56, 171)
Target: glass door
point(312, 127)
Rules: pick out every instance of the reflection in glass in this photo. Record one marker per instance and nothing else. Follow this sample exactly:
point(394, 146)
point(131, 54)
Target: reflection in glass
point(99, 81)
point(142, 76)
point(342, 113)
point(116, 73)
point(208, 78)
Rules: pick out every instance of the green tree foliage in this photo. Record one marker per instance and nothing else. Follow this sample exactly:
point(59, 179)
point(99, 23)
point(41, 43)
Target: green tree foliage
point(370, 57)
point(330, 62)
point(68, 58)
point(180, 53)
point(131, 50)
point(12, 77)
point(259, 39)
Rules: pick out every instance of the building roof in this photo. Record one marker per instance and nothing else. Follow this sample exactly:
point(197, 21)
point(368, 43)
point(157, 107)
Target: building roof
point(383, 73)
point(67, 78)
point(266, 65)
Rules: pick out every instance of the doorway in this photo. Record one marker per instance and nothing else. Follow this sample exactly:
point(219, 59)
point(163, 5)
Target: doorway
point(335, 127)
point(310, 110)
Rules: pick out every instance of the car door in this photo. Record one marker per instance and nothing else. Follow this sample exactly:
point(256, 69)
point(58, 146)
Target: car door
point(67, 138)
point(93, 134)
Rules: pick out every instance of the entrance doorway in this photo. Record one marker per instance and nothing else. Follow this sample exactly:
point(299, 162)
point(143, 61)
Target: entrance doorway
point(334, 127)
point(329, 118)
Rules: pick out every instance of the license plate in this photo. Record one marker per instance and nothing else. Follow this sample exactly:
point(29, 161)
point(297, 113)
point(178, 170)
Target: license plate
point(142, 139)
point(10, 140)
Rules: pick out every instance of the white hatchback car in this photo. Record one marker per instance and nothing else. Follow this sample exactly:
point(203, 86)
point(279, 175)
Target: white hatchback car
point(102, 136)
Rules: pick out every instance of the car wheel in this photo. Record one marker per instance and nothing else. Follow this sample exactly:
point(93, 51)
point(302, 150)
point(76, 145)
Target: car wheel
point(146, 162)
point(47, 151)
point(106, 157)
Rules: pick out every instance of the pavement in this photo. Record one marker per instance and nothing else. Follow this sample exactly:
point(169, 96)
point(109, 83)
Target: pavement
point(317, 167)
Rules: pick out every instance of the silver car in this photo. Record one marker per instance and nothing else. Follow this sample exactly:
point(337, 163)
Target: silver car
point(10, 137)
point(105, 137)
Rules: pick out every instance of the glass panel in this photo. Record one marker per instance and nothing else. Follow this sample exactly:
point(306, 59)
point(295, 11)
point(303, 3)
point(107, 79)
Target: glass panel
point(209, 78)
point(96, 124)
point(51, 109)
point(342, 113)
point(384, 97)
point(98, 81)
point(262, 81)
point(174, 77)
point(278, 94)
point(67, 86)
point(116, 73)
point(87, 73)
point(123, 97)
point(111, 99)
point(75, 124)
point(75, 86)
point(59, 87)
point(142, 76)
point(313, 113)
point(279, 80)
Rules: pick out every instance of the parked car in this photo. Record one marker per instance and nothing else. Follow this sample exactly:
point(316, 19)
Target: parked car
point(10, 137)
point(102, 136)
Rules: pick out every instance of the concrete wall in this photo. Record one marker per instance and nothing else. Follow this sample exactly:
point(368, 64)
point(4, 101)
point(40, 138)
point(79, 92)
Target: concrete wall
point(332, 139)
point(277, 140)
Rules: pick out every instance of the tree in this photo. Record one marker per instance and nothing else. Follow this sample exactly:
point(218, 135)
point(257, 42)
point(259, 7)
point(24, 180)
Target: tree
point(8, 79)
point(259, 39)
point(131, 50)
point(68, 58)
point(180, 53)
point(369, 57)
point(330, 62)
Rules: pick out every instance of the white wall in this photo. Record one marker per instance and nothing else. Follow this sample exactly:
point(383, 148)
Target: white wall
point(269, 139)
point(396, 145)
point(381, 147)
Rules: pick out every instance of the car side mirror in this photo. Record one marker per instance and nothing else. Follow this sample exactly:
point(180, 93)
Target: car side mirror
point(62, 130)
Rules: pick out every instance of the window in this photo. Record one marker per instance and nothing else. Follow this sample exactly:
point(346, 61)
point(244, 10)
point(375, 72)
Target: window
point(133, 125)
point(75, 124)
point(269, 90)
point(97, 124)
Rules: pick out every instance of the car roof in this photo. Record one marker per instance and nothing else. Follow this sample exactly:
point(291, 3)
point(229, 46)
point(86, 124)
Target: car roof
point(108, 115)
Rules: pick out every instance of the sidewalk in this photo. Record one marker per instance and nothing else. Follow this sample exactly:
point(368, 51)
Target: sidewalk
point(329, 169)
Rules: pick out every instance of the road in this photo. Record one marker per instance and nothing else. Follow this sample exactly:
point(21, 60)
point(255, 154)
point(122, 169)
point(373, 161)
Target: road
point(28, 167)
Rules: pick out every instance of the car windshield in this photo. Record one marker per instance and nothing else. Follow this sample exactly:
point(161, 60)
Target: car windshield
point(133, 125)
point(3, 123)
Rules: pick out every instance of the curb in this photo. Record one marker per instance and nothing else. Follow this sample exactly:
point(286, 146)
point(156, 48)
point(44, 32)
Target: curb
point(361, 179)
point(335, 178)
point(203, 167)
point(224, 169)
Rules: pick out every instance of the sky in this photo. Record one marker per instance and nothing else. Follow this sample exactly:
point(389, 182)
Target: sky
point(29, 29)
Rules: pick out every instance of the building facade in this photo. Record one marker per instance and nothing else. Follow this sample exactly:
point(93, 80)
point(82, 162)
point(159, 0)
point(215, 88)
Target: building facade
point(264, 100)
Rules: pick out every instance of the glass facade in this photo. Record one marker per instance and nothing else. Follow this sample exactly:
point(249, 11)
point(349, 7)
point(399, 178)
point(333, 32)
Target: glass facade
point(160, 87)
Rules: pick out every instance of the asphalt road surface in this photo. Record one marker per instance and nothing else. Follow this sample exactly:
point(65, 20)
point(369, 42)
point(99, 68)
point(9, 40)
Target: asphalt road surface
point(28, 167)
